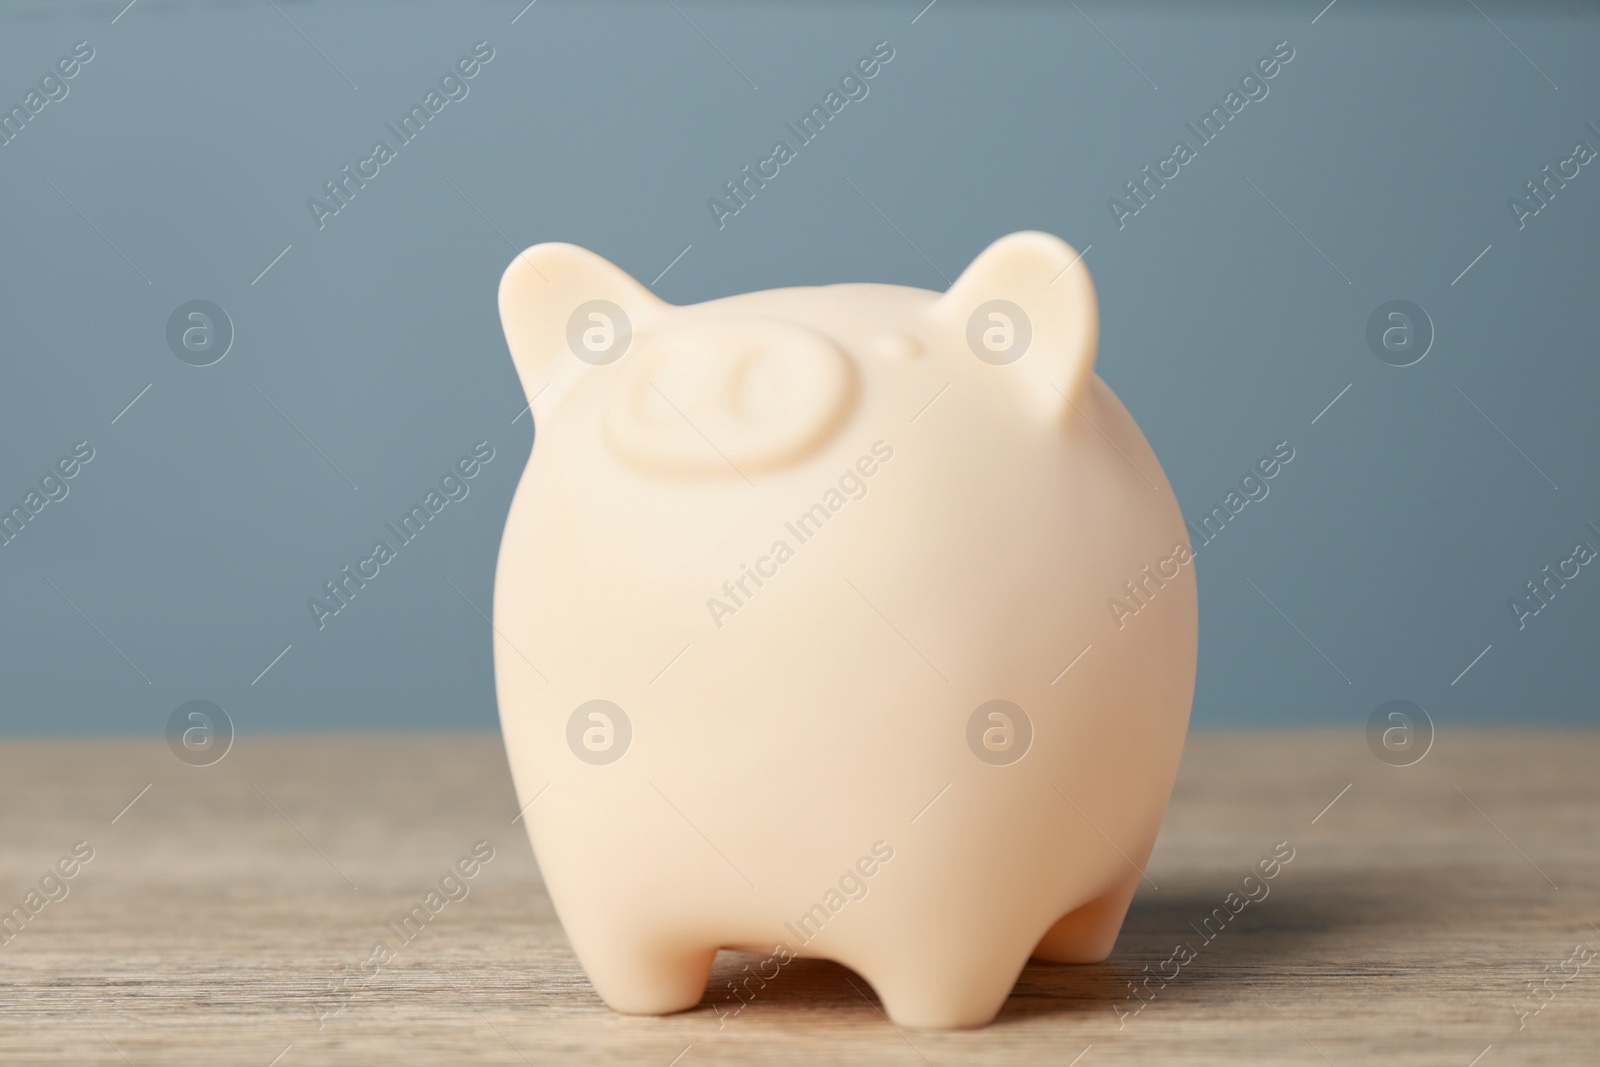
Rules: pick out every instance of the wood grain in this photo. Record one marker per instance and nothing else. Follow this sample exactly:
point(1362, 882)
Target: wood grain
point(219, 912)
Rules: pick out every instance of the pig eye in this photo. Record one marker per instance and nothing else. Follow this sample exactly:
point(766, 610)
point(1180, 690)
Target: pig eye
point(728, 397)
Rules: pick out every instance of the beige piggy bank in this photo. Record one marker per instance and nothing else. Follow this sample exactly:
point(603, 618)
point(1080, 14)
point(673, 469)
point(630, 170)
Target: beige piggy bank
point(853, 622)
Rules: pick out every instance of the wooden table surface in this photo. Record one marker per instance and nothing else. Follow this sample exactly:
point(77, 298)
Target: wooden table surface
point(225, 917)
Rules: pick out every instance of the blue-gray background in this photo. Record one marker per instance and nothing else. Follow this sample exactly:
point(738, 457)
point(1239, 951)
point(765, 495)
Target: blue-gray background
point(180, 564)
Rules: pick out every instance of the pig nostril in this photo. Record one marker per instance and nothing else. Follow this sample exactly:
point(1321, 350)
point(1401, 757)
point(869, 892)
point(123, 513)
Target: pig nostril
point(897, 346)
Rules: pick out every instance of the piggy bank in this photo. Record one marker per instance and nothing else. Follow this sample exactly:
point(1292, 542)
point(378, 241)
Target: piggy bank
point(852, 622)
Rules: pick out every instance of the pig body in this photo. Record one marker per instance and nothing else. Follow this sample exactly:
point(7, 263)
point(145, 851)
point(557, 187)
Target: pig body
point(829, 626)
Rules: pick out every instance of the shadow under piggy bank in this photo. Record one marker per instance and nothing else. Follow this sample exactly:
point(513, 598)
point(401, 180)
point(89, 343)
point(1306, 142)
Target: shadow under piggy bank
point(1222, 953)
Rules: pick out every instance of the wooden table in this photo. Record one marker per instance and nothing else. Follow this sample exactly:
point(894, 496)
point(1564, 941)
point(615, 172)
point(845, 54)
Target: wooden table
point(220, 912)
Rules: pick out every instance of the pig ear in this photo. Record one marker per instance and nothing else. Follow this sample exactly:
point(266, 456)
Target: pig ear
point(1027, 300)
point(565, 309)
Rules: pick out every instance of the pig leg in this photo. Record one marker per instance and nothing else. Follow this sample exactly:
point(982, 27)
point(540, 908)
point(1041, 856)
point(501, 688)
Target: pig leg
point(954, 978)
point(1087, 933)
point(644, 977)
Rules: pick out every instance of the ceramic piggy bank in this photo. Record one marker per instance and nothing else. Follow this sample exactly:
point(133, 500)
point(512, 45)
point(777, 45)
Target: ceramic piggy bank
point(853, 622)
